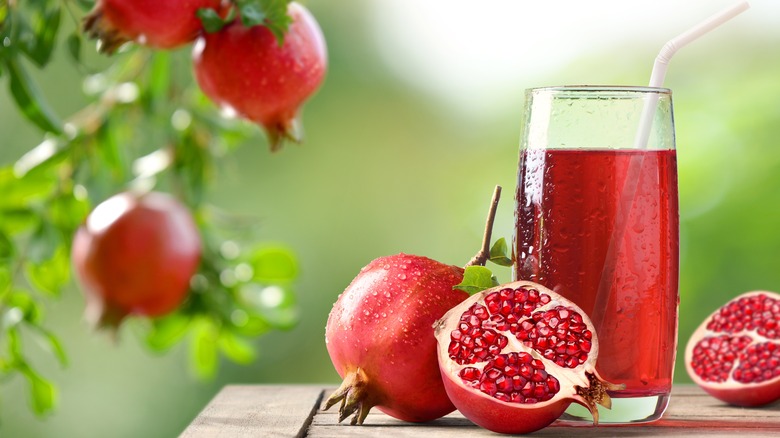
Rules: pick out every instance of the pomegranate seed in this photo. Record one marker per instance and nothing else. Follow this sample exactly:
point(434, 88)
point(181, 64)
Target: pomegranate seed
point(488, 387)
point(501, 396)
point(470, 374)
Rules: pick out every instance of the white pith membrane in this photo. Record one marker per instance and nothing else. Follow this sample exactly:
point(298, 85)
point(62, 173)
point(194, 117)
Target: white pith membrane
point(721, 354)
point(569, 379)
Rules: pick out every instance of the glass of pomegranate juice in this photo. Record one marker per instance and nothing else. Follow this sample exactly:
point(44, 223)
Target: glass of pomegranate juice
point(596, 220)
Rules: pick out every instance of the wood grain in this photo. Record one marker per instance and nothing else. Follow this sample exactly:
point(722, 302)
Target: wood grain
point(295, 411)
point(243, 411)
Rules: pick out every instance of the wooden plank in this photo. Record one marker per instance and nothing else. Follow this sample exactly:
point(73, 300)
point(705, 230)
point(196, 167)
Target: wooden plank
point(243, 411)
point(691, 413)
point(295, 411)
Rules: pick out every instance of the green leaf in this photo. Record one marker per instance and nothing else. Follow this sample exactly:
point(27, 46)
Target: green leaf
point(42, 392)
point(236, 349)
point(53, 343)
point(166, 332)
point(29, 99)
point(275, 265)
point(498, 253)
point(476, 279)
point(46, 23)
point(211, 20)
point(203, 349)
point(43, 243)
point(6, 248)
point(67, 213)
point(159, 81)
point(269, 13)
point(252, 326)
point(74, 46)
point(50, 276)
point(86, 5)
point(30, 311)
point(15, 345)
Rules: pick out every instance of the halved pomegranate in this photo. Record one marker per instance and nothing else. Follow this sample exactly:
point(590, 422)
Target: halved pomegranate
point(734, 355)
point(515, 356)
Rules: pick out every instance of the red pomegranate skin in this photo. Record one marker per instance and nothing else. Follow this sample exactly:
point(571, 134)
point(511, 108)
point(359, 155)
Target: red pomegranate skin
point(136, 255)
point(162, 24)
point(740, 337)
point(247, 71)
point(383, 323)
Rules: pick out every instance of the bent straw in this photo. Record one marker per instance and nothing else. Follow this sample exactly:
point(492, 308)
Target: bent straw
point(661, 63)
point(643, 133)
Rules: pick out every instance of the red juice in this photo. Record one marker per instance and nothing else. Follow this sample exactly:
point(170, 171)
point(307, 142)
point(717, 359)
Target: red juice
point(579, 211)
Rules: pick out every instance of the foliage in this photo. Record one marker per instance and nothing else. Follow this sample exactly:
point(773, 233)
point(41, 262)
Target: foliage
point(146, 126)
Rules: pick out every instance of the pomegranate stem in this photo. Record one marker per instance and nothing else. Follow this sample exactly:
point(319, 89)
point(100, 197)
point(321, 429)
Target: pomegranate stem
point(484, 253)
point(355, 397)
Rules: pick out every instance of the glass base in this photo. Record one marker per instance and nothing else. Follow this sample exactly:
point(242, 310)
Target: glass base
point(624, 411)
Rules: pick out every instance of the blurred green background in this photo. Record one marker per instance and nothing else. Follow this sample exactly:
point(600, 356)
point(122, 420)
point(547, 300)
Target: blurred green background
point(417, 121)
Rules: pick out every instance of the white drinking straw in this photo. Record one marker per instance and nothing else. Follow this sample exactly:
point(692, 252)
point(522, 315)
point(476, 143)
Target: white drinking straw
point(632, 178)
point(663, 58)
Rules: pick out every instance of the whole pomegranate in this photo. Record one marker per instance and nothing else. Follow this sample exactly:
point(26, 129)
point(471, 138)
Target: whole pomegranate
point(734, 355)
point(162, 24)
point(380, 339)
point(135, 254)
point(515, 356)
point(247, 71)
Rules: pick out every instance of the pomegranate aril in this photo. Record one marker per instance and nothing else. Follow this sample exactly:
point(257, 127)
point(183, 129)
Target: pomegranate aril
point(715, 356)
point(488, 387)
point(503, 397)
point(504, 384)
point(758, 367)
point(470, 374)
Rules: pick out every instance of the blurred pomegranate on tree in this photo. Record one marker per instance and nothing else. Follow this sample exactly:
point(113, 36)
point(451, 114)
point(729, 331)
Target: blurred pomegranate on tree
point(136, 254)
point(162, 24)
point(249, 71)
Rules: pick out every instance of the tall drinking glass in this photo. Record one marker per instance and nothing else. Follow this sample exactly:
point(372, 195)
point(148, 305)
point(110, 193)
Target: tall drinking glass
point(596, 220)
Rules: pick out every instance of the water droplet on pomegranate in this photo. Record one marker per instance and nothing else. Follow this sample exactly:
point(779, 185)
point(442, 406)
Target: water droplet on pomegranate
point(402, 276)
point(366, 312)
point(387, 294)
point(386, 267)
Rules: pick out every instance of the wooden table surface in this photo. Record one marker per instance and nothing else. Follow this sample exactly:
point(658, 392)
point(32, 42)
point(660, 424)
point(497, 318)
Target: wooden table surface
point(295, 411)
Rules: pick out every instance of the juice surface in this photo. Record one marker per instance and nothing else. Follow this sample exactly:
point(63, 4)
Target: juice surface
point(601, 228)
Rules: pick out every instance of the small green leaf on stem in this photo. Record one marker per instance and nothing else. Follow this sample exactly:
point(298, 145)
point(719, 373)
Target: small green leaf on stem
point(203, 349)
point(29, 99)
point(476, 279)
point(74, 46)
point(211, 20)
point(269, 13)
point(51, 275)
point(498, 253)
point(53, 343)
point(43, 243)
point(273, 264)
point(46, 23)
point(235, 348)
point(43, 394)
point(167, 331)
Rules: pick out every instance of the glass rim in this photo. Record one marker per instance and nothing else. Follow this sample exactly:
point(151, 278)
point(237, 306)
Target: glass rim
point(596, 90)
